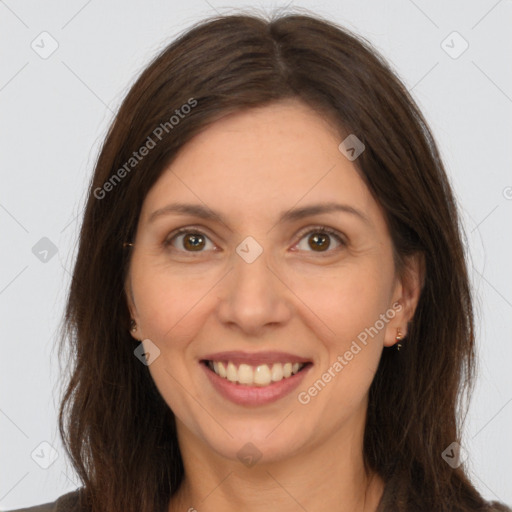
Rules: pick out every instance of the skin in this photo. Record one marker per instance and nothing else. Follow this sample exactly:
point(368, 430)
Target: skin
point(251, 166)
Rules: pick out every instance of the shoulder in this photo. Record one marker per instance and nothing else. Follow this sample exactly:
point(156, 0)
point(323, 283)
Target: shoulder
point(66, 503)
point(495, 506)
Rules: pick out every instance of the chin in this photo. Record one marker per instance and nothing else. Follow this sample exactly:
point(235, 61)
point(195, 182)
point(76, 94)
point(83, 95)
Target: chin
point(261, 443)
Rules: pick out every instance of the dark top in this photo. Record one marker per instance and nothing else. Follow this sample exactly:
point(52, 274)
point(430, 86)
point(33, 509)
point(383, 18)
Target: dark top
point(69, 503)
point(66, 503)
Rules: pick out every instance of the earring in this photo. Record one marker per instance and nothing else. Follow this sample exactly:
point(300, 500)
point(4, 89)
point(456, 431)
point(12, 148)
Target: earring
point(133, 325)
point(127, 244)
point(398, 338)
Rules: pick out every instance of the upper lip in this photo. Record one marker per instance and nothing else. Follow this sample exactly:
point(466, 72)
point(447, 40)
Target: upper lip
point(255, 358)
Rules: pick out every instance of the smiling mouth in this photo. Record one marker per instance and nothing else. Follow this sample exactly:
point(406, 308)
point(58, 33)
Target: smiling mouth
point(259, 375)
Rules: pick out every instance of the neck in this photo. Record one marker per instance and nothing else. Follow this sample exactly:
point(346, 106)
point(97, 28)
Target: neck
point(329, 477)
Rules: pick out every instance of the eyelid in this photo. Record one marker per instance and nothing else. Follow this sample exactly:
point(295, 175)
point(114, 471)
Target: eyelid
point(300, 235)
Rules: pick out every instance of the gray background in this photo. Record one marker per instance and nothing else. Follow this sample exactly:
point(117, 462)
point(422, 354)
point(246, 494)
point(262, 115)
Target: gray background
point(55, 111)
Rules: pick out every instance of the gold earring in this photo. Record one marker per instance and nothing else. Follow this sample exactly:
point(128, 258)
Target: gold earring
point(398, 338)
point(133, 325)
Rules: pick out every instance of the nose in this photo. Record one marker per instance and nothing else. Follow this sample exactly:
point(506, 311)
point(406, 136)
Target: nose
point(253, 297)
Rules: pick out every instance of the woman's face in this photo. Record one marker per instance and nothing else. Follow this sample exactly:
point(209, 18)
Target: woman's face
point(262, 284)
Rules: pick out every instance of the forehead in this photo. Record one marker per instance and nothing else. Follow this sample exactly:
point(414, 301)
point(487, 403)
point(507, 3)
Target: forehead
point(264, 159)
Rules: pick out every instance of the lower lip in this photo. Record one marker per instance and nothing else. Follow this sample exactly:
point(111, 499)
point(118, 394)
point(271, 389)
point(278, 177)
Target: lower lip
point(242, 394)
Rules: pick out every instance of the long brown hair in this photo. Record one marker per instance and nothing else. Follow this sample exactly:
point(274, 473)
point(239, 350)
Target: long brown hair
point(118, 431)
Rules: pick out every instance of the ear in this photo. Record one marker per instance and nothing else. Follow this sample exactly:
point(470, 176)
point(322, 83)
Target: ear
point(405, 297)
point(135, 332)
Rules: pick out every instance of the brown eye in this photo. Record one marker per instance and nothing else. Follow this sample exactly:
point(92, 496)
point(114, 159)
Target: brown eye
point(320, 240)
point(193, 241)
point(187, 240)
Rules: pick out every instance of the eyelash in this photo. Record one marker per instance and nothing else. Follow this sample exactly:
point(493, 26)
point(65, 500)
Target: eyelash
point(315, 229)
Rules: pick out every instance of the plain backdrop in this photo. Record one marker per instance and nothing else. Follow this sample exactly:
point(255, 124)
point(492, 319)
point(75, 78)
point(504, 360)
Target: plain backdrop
point(55, 109)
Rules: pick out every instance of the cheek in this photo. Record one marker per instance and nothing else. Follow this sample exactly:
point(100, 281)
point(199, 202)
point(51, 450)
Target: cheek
point(347, 300)
point(165, 300)
point(347, 306)
point(360, 303)
point(170, 306)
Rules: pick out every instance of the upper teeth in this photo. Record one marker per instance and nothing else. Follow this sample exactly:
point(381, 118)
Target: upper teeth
point(260, 375)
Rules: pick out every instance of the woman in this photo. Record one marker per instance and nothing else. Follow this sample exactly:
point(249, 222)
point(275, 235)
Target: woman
point(270, 307)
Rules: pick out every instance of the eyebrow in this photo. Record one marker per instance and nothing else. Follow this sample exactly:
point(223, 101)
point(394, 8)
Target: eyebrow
point(292, 215)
